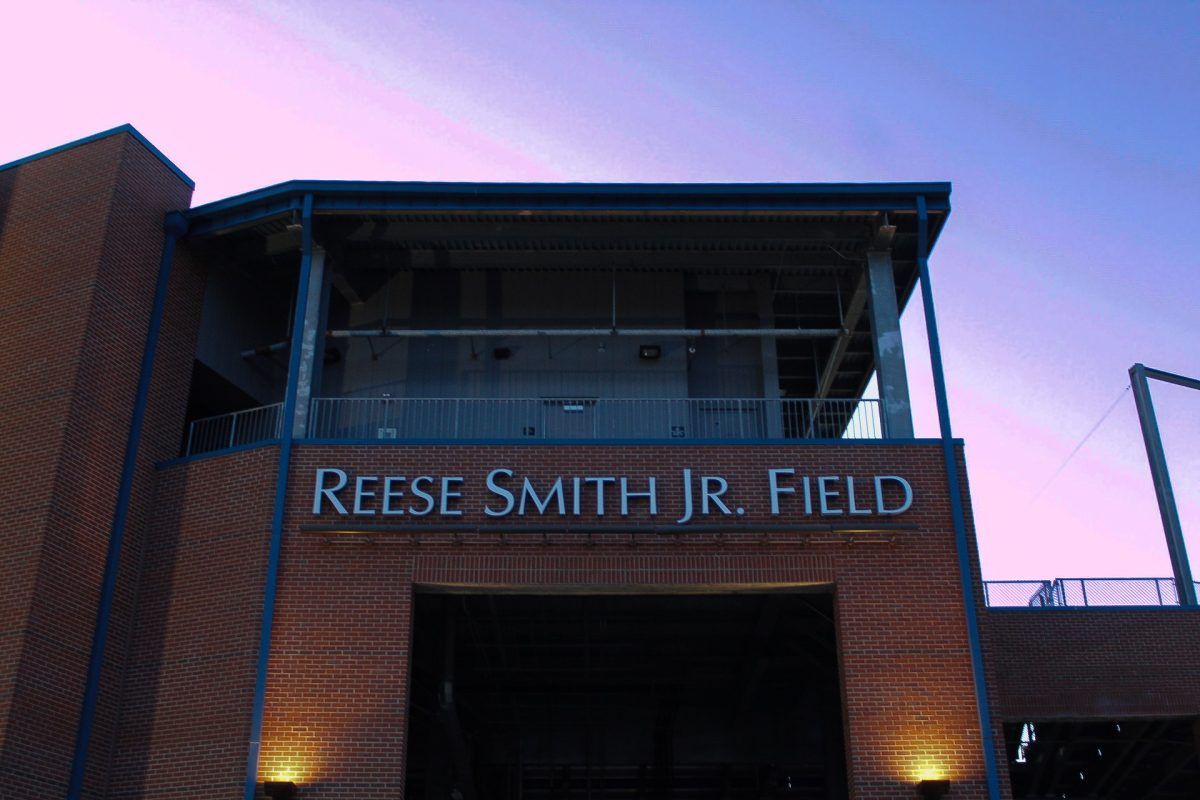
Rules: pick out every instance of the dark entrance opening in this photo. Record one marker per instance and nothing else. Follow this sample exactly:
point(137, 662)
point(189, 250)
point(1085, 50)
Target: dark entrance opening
point(599, 697)
point(1118, 759)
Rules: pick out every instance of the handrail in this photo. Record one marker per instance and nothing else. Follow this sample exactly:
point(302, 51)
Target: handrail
point(1081, 593)
point(523, 419)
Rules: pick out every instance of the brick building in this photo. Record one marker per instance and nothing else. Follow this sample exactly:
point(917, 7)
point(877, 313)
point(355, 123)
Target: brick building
point(503, 491)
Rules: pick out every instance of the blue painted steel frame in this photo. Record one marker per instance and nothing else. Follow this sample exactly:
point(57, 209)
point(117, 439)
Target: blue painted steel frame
point(174, 226)
point(956, 506)
point(372, 196)
point(285, 457)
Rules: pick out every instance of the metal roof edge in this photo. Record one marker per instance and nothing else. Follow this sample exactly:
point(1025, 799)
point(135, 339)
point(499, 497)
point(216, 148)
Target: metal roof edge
point(486, 191)
point(126, 128)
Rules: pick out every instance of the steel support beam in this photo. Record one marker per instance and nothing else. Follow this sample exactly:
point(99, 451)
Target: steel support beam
point(1138, 374)
point(958, 514)
point(854, 311)
point(1171, 377)
point(275, 545)
point(896, 411)
point(770, 358)
point(693, 333)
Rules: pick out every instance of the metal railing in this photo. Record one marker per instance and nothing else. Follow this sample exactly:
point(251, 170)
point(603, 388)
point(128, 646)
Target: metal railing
point(592, 418)
point(1081, 593)
point(556, 418)
point(233, 429)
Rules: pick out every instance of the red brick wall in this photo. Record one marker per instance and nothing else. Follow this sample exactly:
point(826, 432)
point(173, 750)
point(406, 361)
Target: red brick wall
point(1095, 663)
point(335, 716)
point(80, 240)
point(185, 719)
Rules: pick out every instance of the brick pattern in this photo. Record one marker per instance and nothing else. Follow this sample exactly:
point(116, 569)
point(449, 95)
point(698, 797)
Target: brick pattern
point(80, 240)
point(335, 717)
point(185, 719)
point(1095, 663)
point(80, 237)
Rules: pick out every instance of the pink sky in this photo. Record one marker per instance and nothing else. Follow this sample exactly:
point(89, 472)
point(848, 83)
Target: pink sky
point(1068, 131)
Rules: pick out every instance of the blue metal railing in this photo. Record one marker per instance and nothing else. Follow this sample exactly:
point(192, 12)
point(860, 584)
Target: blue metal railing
point(523, 419)
point(1081, 593)
point(234, 429)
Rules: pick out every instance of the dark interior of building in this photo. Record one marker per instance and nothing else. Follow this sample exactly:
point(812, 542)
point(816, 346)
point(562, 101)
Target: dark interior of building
point(524, 697)
point(1127, 759)
point(612, 283)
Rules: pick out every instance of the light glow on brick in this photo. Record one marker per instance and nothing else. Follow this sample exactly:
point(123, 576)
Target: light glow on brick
point(930, 772)
point(288, 771)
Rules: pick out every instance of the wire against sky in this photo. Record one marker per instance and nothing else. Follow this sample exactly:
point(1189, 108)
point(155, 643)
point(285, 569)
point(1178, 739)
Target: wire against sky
point(1079, 446)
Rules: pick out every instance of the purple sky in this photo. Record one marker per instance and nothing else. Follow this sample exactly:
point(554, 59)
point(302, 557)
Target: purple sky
point(1069, 131)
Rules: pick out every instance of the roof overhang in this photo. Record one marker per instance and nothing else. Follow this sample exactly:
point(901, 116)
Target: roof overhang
point(382, 197)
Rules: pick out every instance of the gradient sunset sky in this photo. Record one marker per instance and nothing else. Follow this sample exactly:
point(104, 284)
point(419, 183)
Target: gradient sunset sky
point(1071, 133)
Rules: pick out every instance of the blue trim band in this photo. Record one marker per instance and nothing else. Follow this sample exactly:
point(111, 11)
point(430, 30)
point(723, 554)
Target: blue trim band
point(381, 196)
point(620, 442)
point(281, 482)
point(126, 128)
point(477, 195)
point(175, 225)
point(224, 451)
point(1087, 609)
point(956, 506)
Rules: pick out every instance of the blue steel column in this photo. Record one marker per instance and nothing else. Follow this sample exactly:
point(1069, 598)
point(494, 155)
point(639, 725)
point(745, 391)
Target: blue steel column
point(174, 226)
point(285, 457)
point(956, 507)
point(1185, 587)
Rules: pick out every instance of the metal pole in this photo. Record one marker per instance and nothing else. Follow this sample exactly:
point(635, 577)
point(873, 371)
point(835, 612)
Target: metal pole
point(1162, 483)
point(275, 545)
point(174, 226)
point(695, 333)
point(957, 514)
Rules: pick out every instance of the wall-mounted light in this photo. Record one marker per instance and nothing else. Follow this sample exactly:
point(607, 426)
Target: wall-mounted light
point(933, 789)
point(279, 790)
point(649, 352)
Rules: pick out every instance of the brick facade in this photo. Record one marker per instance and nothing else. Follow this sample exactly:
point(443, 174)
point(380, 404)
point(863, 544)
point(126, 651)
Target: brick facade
point(1095, 663)
point(344, 604)
point(185, 715)
point(81, 233)
point(80, 239)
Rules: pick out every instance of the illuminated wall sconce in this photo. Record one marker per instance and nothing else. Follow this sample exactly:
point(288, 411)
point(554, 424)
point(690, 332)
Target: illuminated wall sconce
point(649, 352)
point(933, 790)
point(279, 790)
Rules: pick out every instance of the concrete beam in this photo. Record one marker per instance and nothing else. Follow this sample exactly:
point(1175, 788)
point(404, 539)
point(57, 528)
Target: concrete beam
point(311, 343)
point(892, 377)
